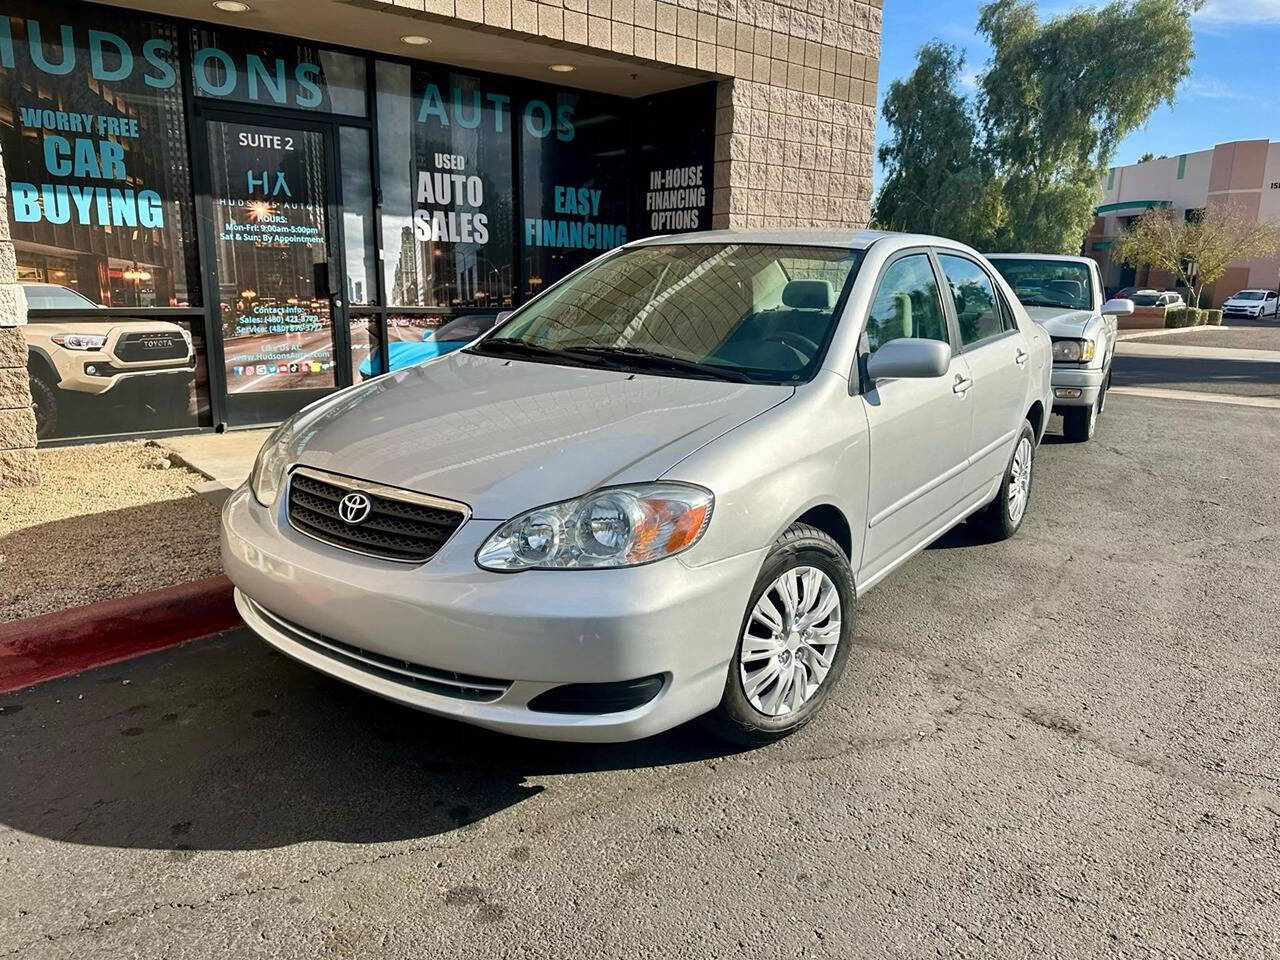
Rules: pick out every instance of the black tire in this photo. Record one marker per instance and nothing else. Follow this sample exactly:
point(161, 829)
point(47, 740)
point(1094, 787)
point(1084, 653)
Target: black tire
point(44, 406)
point(1079, 423)
point(736, 719)
point(994, 521)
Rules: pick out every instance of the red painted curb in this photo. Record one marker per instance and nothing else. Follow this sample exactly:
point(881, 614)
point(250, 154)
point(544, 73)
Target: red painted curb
point(57, 644)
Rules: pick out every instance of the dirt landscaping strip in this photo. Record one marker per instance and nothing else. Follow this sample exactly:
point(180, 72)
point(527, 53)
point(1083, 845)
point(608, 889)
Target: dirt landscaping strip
point(110, 520)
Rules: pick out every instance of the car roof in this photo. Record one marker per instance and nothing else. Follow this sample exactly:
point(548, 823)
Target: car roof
point(1251, 290)
point(848, 239)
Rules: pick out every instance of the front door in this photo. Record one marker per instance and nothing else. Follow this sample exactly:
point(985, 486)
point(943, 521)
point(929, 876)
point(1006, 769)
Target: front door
point(919, 428)
point(275, 288)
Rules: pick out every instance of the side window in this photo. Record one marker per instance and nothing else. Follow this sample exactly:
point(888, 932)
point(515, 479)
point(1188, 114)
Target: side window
point(1006, 312)
point(974, 298)
point(907, 304)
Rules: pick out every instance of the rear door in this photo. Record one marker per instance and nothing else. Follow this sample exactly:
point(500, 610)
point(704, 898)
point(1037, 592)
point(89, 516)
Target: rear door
point(998, 358)
point(920, 428)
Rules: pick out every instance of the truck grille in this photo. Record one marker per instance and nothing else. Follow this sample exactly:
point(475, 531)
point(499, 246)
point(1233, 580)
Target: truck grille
point(399, 525)
point(155, 345)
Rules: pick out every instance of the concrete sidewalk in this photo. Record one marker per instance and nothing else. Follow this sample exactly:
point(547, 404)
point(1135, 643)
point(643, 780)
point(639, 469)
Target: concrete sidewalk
point(224, 459)
point(1130, 349)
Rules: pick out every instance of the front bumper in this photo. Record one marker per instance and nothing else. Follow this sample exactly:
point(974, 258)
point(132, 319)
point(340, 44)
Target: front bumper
point(1084, 379)
point(511, 636)
point(119, 376)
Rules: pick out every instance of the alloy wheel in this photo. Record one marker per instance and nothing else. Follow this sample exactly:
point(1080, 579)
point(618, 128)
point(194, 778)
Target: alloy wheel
point(789, 643)
point(1020, 480)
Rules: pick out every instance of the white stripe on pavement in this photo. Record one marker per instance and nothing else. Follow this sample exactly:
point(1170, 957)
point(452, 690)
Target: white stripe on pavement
point(1157, 393)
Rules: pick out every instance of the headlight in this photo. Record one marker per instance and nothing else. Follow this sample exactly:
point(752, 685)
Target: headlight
point(80, 341)
point(268, 469)
point(1073, 351)
point(613, 527)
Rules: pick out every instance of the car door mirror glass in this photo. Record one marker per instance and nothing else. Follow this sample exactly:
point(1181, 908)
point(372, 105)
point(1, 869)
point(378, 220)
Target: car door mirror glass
point(910, 358)
point(1117, 308)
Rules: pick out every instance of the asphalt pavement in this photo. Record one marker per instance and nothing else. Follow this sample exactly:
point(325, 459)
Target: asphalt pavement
point(1067, 745)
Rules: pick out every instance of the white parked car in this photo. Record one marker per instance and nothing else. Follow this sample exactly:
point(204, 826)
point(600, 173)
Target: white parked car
point(655, 492)
point(1065, 296)
point(1251, 303)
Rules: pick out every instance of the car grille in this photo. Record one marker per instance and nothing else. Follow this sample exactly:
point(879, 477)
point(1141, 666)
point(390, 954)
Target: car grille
point(401, 526)
point(447, 683)
point(135, 347)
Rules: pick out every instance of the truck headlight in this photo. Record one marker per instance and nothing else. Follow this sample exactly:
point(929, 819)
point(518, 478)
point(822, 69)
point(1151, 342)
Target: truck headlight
point(613, 527)
point(268, 468)
point(80, 341)
point(1073, 351)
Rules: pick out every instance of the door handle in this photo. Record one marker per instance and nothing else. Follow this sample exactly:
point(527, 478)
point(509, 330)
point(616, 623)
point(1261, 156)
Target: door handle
point(1021, 357)
point(962, 384)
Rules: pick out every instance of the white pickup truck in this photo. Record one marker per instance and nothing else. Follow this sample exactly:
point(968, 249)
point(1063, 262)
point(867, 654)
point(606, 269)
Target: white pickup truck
point(1064, 295)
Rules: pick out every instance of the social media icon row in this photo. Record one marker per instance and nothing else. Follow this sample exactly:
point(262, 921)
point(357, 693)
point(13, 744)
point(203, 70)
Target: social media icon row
point(270, 369)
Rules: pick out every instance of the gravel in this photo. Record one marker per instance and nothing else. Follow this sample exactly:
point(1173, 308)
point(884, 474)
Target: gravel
point(109, 520)
point(1239, 338)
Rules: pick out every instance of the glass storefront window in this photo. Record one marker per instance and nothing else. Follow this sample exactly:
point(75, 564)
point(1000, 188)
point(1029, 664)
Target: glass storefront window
point(358, 234)
point(444, 149)
point(574, 181)
point(94, 136)
point(275, 71)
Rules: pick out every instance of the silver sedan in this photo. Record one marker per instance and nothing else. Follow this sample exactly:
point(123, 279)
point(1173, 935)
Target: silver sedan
point(653, 493)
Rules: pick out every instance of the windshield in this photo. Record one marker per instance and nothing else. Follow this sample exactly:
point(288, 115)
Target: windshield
point(1146, 299)
point(51, 297)
point(1249, 295)
point(755, 313)
point(1048, 283)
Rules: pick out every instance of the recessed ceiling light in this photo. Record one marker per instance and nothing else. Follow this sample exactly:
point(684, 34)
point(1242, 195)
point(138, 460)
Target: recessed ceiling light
point(415, 41)
point(562, 68)
point(231, 6)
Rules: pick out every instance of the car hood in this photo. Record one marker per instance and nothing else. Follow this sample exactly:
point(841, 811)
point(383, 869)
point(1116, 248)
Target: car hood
point(504, 436)
point(1061, 321)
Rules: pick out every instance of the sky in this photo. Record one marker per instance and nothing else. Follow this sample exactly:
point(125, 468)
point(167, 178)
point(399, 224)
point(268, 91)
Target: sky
point(1233, 92)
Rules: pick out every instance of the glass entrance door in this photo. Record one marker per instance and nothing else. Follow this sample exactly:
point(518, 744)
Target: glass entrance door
point(277, 285)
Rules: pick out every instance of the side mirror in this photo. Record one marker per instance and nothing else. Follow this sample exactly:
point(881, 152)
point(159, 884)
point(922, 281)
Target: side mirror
point(910, 358)
point(1117, 308)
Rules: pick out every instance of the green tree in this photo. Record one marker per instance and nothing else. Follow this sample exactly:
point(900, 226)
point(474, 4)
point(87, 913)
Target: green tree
point(1054, 101)
point(936, 173)
point(1197, 250)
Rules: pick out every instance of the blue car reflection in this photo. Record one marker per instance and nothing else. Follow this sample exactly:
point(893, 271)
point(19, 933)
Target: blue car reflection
point(454, 335)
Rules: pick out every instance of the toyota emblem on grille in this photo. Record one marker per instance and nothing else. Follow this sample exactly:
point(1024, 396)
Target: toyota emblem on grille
point(354, 508)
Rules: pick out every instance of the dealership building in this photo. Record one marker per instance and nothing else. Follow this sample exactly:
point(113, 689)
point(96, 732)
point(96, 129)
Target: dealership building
point(1244, 173)
point(217, 212)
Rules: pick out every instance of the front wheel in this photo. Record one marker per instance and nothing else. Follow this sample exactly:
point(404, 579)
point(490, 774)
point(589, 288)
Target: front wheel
point(1001, 518)
point(44, 406)
point(793, 643)
point(1079, 423)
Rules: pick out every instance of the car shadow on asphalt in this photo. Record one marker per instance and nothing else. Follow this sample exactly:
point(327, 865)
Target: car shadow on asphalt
point(224, 744)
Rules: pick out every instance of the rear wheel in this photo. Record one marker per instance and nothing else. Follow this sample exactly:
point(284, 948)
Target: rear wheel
point(1001, 518)
point(793, 643)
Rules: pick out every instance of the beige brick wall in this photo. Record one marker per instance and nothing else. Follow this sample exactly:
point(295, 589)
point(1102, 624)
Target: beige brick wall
point(795, 124)
point(18, 465)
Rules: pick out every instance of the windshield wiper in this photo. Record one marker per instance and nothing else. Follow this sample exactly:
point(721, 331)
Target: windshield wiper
point(637, 356)
point(1051, 303)
point(506, 347)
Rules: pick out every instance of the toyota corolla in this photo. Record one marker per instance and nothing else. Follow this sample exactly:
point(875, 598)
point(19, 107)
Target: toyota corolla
point(653, 493)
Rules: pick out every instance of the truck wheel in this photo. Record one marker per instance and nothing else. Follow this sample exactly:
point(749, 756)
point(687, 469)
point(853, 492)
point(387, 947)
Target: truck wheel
point(793, 643)
point(44, 405)
point(1079, 423)
point(1001, 518)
